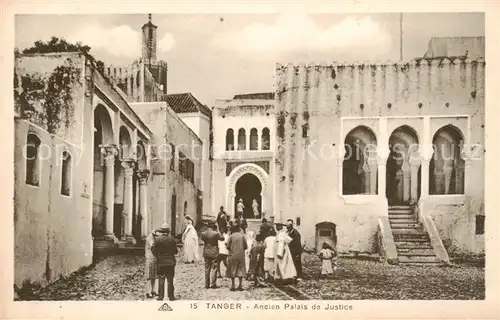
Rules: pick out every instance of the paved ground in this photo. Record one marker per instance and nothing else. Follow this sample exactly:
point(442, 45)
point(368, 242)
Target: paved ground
point(370, 280)
point(120, 277)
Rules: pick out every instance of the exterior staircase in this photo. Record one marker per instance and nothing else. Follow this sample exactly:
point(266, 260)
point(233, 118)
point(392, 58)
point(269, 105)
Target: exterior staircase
point(412, 241)
point(254, 225)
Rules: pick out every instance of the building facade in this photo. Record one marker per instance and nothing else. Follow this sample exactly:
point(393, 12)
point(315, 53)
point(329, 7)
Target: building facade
point(97, 165)
point(243, 152)
point(355, 140)
point(198, 117)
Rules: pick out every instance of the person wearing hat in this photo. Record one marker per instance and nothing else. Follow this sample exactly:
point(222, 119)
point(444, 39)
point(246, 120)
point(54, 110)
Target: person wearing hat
point(295, 247)
point(239, 209)
point(165, 248)
point(211, 240)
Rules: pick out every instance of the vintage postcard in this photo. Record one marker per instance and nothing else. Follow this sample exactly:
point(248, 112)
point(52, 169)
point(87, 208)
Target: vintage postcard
point(176, 160)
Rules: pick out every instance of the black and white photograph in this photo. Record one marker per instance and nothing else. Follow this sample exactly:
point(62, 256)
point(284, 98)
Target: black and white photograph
point(276, 158)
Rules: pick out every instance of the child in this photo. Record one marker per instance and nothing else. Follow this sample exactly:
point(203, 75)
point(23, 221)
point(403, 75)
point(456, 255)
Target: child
point(269, 254)
point(250, 241)
point(327, 254)
point(223, 251)
point(256, 269)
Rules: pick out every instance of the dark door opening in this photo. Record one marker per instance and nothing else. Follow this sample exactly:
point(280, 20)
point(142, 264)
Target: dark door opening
point(248, 188)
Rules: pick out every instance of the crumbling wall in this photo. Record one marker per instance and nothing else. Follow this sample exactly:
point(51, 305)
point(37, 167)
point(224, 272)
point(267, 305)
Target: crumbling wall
point(48, 90)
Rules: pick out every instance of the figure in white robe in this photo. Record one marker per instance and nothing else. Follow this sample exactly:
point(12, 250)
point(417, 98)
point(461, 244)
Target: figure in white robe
point(255, 208)
point(190, 241)
point(285, 269)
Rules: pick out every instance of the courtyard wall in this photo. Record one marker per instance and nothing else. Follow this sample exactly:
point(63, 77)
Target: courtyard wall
point(329, 100)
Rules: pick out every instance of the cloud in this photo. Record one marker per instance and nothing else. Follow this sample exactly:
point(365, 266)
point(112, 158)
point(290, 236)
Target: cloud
point(119, 41)
point(166, 43)
point(299, 32)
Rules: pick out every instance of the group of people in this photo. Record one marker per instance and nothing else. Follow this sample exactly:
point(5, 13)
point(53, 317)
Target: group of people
point(273, 254)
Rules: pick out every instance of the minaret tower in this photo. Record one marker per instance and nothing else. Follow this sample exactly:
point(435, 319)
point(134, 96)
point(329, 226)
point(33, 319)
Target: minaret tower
point(149, 40)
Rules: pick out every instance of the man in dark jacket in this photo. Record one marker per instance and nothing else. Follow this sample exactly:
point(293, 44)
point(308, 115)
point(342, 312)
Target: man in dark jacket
point(211, 239)
point(222, 219)
point(165, 249)
point(264, 228)
point(295, 247)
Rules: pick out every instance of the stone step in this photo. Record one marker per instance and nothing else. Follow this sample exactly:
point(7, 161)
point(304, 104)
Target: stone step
point(421, 264)
point(408, 231)
point(400, 207)
point(396, 211)
point(411, 237)
point(418, 259)
point(413, 245)
point(411, 240)
point(404, 225)
point(415, 238)
point(415, 252)
point(410, 220)
point(402, 216)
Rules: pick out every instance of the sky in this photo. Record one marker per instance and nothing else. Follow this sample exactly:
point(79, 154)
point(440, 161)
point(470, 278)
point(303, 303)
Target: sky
point(217, 56)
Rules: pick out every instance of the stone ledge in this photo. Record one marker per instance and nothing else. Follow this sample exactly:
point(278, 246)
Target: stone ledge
point(387, 246)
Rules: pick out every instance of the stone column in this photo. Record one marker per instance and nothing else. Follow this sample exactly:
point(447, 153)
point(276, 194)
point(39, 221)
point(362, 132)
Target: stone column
point(426, 153)
point(382, 156)
point(109, 151)
point(247, 139)
point(382, 166)
point(373, 176)
point(143, 176)
point(128, 166)
point(447, 172)
point(235, 140)
point(259, 139)
point(406, 181)
point(414, 164)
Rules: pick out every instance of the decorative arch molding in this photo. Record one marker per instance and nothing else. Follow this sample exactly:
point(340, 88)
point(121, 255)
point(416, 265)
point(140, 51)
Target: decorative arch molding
point(106, 121)
point(236, 174)
point(231, 166)
point(351, 126)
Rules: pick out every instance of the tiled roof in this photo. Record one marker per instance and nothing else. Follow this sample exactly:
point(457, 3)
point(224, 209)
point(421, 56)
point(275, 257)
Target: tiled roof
point(263, 95)
point(186, 103)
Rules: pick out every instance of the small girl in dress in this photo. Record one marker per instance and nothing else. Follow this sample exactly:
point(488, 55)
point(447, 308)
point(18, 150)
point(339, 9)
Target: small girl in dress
point(327, 254)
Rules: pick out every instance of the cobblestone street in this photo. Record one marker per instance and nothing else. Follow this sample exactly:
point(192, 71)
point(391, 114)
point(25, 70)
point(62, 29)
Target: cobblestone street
point(121, 277)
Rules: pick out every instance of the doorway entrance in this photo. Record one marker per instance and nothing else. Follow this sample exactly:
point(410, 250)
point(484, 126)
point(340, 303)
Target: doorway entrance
point(248, 189)
point(403, 167)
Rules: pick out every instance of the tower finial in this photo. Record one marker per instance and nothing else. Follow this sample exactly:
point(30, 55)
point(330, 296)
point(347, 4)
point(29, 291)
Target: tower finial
point(149, 17)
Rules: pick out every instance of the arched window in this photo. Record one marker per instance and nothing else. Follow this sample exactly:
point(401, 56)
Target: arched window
point(446, 169)
point(185, 208)
point(359, 171)
point(66, 174)
point(32, 160)
point(265, 139)
point(253, 139)
point(242, 143)
point(229, 140)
